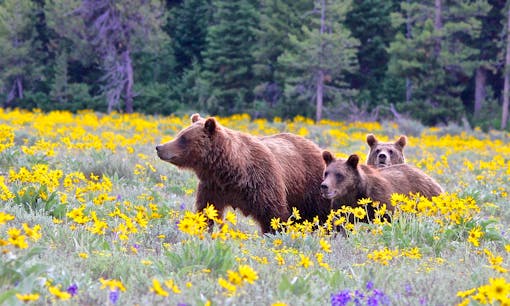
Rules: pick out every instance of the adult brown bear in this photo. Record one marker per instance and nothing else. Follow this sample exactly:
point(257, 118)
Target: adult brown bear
point(264, 177)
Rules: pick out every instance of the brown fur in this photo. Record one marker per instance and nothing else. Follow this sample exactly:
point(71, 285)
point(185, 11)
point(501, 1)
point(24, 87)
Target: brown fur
point(262, 176)
point(383, 154)
point(345, 182)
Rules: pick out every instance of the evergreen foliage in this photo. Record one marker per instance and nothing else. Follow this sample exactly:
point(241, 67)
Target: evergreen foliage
point(228, 58)
point(436, 61)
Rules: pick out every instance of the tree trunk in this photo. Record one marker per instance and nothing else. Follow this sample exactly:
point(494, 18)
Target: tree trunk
point(320, 74)
point(506, 85)
point(438, 25)
point(129, 80)
point(19, 84)
point(480, 93)
point(11, 95)
point(15, 92)
point(320, 94)
point(409, 84)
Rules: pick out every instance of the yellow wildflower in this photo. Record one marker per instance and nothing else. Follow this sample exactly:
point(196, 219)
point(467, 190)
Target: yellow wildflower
point(227, 285)
point(156, 288)
point(29, 297)
point(305, 261)
point(4, 217)
point(56, 292)
point(295, 213)
point(474, 235)
point(248, 274)
point(112, 284)
point(325, 246)
point(231, 217)
point(170, 284)
point(275, 223)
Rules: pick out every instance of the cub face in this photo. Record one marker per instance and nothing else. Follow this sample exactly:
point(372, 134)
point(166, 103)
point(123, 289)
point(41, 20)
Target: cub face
point(383, 154)
point(340, 176)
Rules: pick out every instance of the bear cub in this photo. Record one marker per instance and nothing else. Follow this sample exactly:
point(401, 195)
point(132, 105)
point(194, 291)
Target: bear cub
point(383, 154)
point(263, 177)
point(346, 181)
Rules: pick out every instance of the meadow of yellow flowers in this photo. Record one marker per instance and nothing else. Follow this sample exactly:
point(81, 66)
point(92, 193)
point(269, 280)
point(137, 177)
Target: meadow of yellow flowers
point(91, 216)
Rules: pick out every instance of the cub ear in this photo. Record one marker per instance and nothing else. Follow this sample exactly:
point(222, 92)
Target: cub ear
point(328, 157)
point(195, 117)
point(210, 125)
point(353, 161)
point(371, 140)
point(401, 142)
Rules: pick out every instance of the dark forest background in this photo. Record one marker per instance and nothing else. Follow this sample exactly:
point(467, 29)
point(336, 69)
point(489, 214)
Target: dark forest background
point(434, 61)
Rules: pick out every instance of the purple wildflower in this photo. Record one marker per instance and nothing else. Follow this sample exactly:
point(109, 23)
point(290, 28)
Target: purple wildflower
point(358, 298)
point(341, 298)
point(378, 298)
point(182, 206)
point(370, 285)
point(114, 296)
point(409, 289)
point(72, 290)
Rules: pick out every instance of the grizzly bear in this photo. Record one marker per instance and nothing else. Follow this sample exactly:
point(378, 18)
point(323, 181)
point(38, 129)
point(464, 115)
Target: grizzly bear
point(264, 177)
point(383, 154)
point(345, 182)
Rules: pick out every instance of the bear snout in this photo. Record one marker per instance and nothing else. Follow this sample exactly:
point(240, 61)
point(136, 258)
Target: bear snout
point(325, 191)
point(164, 153)
point(382, 157)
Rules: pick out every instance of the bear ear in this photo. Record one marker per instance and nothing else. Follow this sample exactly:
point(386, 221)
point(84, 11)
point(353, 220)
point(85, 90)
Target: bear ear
point(210, 125)
point(401, 142)
point(195, 117)
point(353, 161)
point(328, 157)
point(371, 140)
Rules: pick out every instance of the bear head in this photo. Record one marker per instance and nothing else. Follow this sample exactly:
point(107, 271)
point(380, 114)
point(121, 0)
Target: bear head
point(383, 154)
point(192, 145)
point(341, 177)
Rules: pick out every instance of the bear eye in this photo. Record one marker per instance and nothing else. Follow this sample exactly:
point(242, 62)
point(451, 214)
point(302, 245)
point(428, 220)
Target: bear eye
point(326, 174)
point(339, 177)
point(377, 151)
point(183, 140)
point(391, 152)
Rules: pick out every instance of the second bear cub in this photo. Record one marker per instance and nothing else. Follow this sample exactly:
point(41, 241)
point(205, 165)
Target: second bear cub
point(383, 154)
point(346, 181)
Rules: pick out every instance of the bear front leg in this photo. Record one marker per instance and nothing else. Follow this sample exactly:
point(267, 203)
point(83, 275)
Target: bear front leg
point(205, 197)
point(269, 214)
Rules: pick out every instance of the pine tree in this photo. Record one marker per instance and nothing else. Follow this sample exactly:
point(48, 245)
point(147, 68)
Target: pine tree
point(188, 29)
point(318, 59)
point(370, 22)
point(17, 52)
point(115, 31)
point(278, 19)
point(228, 57)
point(437, 56)
point(492, 25)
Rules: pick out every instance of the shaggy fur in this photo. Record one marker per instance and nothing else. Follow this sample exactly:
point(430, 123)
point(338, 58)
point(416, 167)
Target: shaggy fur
point(345, 182)
point(264, 177)
point(383, 154)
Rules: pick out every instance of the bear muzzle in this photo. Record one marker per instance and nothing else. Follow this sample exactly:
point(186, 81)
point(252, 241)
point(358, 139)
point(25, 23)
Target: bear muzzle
point(163, 154)
point(326, 193)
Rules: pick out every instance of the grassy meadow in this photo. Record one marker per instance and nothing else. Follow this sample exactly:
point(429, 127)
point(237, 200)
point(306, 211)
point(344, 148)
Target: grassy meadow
point(90, 215)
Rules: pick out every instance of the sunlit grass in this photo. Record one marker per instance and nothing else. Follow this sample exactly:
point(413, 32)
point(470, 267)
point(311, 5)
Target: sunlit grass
point(90, 215)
